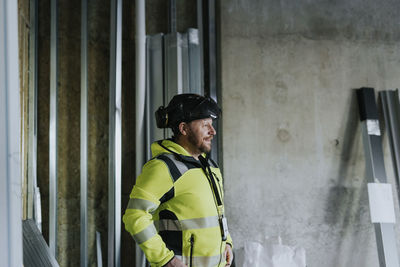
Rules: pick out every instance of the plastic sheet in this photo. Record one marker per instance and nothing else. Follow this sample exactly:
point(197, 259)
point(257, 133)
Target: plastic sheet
point(273, 255)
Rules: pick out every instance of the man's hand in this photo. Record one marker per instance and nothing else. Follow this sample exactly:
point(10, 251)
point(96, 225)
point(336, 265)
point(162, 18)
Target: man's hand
point(175, 262)
point(228, 255)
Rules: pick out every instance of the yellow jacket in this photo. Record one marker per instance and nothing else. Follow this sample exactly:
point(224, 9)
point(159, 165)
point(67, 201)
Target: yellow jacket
point(173, 209)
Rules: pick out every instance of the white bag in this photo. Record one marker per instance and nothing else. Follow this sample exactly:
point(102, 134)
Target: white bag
point(273, 255)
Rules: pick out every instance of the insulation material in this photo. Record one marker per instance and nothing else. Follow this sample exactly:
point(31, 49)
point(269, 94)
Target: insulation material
point(271, 254)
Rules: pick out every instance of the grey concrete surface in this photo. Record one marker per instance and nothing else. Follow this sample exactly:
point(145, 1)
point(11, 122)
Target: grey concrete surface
point(293, 155)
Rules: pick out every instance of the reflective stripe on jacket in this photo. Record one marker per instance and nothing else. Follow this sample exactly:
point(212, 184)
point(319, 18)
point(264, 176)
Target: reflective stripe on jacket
point(172, 210)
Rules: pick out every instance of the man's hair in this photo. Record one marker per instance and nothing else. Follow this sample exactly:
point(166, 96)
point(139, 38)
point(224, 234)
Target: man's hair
point(176, 132)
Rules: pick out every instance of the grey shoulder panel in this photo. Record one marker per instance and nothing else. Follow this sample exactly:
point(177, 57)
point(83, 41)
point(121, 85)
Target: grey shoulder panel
point(176, 167)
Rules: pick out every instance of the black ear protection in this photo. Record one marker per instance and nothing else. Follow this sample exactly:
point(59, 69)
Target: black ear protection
point(165, 115)
point(161, 117)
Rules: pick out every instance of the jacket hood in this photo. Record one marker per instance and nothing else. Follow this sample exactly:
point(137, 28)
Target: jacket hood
point(156, 149)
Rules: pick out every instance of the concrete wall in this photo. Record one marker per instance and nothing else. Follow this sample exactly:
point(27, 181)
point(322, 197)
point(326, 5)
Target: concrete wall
point(293, 155)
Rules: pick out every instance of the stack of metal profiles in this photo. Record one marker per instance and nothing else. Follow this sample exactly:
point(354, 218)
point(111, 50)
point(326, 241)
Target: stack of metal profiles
point(36, 251)
point(376, 174)
point(173, 67)
point(391, 111)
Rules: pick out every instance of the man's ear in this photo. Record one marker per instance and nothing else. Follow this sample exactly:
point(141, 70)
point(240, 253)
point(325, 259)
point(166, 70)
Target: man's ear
point(183, 128)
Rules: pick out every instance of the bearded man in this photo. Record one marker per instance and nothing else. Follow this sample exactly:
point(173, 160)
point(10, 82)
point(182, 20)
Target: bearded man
point(176, 211)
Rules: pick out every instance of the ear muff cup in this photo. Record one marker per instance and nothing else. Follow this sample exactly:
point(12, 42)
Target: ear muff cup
point(161, 117)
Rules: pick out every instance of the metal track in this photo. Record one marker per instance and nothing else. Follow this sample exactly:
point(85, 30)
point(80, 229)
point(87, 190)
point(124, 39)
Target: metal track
point(375, 172)
point(391, 112)
point(115, 137)
point(36, 251)
point(53, 129)
point(84, 135)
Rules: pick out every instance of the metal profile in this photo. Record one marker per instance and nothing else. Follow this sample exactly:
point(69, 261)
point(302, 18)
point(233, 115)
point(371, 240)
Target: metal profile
point(208, 42)
point(32, 119)
point(34, 203)
point(172, 16)
point(391, 109)
point(140, 53)
point(84, 137)
point(37, 208)
point(140, 100)
point(172, 69)
point(10, 168)
point(375, 172)
point(182, 64)
point(115, 137)
point(154, 88)
point(173, 66)
point(53, 128)
point(194, 62)
point(98, 250)
point(210, 48)
point(36, 251)
point(185, 65)
point(200, 42)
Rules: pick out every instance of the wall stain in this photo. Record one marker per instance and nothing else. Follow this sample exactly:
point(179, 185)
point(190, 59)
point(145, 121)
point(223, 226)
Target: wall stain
point(283, 135)
point(237, 99)
point(280, 94)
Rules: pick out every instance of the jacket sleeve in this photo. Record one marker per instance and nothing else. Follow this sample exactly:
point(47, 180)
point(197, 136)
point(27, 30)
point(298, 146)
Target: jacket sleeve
point(218, 172)
point(151, 185)
point(229, 241)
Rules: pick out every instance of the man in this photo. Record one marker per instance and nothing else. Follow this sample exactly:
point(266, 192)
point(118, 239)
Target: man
point(175, 212)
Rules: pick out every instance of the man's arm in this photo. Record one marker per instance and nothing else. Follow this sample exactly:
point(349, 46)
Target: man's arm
point(151, 185)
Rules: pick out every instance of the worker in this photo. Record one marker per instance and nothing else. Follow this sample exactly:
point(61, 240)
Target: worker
point(176, 211)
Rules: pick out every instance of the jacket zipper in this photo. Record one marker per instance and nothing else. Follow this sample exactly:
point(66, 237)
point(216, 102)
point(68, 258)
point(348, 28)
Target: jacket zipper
point(191, 250)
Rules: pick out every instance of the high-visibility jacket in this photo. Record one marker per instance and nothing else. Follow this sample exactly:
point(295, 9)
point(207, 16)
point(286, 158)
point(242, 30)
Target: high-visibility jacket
point(173, 209)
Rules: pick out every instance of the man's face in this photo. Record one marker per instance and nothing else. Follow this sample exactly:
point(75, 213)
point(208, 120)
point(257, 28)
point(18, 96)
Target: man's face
point(200, 134)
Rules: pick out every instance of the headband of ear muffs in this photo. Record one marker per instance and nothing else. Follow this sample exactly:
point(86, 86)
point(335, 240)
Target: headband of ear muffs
point(186, 108)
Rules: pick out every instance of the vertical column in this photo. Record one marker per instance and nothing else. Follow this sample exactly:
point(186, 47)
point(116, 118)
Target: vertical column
point(173, 66)
point(183, 42)
point(33, 189)
point(140, 66)
point(32, 150)
point(154, 88)
point(84, 135)
point(209, 43)
point(391, 109)
point(140, 53)
point(375, 172)
point(194, 62)
point(200, 42)
point(210, 47)
point(172, 16)
point(10, 176)
point(98, 250)
point(53, 129)
point(115, 137)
